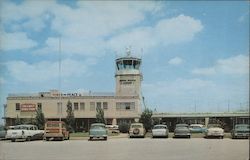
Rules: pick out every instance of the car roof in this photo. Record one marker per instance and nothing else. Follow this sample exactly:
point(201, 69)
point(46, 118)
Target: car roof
point(160, 125)
point(97, 124)
point(136, 123)
point(197, 125)
point(182, 124)
point(25, 125)
point(55, 122)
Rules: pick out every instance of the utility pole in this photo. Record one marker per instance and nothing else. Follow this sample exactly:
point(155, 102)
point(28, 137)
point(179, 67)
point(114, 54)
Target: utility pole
point(60, 94)
point(228, 106)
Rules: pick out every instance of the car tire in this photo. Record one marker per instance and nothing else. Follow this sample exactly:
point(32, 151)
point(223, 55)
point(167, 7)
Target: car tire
point(90, 138)
point(28, 138)
point(105, 138)
point(189, 137)
point(13, 140)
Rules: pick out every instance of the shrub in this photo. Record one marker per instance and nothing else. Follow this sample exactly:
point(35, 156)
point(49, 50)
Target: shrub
point(124, 127)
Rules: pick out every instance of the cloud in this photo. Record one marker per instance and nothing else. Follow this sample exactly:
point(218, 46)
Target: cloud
point(101, 26)
point(238, 65)
point(16, 41)
point(163, 33)
point(175, 61)
point(46, 70)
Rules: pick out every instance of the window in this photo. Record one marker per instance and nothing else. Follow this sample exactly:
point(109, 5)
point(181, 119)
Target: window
point(105, 105)
point(125, 106)
point(98, 105)
point(39, 106)
point(92, 106)
point(17, 106)
point(76, 106)
point(59, 107)
point(82, 106)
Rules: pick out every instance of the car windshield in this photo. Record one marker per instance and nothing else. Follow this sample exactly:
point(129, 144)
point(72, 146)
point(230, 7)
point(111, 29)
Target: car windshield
point(181, 125)
point(213, 125)
point(242, 127)
point(160, 127)
point(136, 126)
point(21, 127)
point(195, 127)
point(97, 127)
point(52, 125)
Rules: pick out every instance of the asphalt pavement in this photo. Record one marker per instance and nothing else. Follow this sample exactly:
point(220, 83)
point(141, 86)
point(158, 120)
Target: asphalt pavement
point(126, 149)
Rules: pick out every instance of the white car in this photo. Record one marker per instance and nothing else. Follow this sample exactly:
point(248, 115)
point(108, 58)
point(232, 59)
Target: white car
point(214, 130)
point(160, 131)
point(137, 130)
point(24, 132)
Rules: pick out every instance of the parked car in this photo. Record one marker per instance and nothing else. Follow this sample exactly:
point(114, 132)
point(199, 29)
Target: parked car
point(137, 130)
point(8, 136)
point(56, 130)
point(196, 128)
point(241, 131)
point(98, 131)
point(214, 130)
point(24, 132)
point(160, 131)
point(113, 128)
point(3, 132)
point(182, 130)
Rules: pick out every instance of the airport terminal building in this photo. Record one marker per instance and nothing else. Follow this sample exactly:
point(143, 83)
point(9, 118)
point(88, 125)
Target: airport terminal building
point(122, 106)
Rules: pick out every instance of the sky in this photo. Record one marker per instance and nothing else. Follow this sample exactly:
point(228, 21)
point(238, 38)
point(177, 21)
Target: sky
point(195, 55)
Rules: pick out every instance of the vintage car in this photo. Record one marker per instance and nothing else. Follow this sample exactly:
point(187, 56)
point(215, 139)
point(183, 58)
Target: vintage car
point(160, 131)
point(241, 131)
point(55, 130)
point(214, 130)
point(137, 130)
point(98, 131)
point(182, 130)
point(3, 132)
point(113, 128)
point(24, 132)
point(197, 128)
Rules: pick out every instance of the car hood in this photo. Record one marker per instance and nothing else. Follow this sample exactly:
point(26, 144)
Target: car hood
point(97, 131)
point(182, 129)
point(215, 129)
point(159, 130)
point(243, 129)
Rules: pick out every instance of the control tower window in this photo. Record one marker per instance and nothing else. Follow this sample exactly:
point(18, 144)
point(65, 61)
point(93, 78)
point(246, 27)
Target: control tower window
point(127, 64)
point(119, 65)
point(136, 64)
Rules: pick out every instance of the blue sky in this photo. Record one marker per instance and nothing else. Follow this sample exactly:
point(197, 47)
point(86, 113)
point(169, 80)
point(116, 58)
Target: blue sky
point(194, 53)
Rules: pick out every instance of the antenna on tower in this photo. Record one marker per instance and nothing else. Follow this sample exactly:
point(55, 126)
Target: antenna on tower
point(128, 51)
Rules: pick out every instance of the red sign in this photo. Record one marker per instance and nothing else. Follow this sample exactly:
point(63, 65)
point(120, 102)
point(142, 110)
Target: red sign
point(28, 107)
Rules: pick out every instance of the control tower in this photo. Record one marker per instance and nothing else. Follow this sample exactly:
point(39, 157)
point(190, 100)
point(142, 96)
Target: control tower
point(128, 75)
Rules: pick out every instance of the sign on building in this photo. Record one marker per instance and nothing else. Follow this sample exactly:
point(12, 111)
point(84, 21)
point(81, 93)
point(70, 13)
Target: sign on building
point(28, 107)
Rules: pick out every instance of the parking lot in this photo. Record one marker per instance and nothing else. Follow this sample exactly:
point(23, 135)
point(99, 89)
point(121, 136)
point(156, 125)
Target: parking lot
point(124, 149)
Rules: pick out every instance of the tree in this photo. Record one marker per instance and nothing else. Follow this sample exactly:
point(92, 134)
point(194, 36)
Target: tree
point(70, 119)
point(146, 118)
point(100, 115)
point(18, 121)
point(39, 119)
